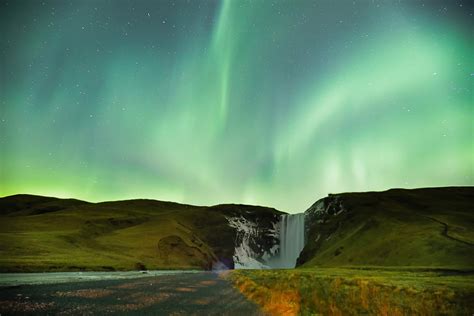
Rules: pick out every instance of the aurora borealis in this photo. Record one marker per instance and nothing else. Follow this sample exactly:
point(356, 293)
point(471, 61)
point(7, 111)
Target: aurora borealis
point(274, 103)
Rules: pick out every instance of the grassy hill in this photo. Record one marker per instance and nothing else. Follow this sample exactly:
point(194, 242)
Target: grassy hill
point(47, 234)
point(431, 227)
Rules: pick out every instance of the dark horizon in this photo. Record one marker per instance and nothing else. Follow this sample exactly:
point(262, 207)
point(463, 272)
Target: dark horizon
point(235, 204)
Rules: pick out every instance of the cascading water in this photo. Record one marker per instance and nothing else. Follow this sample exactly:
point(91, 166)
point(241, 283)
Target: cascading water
point(291, 241)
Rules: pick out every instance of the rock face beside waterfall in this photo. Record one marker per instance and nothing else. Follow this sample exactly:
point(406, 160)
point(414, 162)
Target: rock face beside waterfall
point(256, 231)
point(421, 227)
point(264, 237)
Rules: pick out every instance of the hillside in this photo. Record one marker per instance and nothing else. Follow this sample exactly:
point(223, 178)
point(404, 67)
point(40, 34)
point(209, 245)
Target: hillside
point(399, 252)
point(431, 227)
point(48, 234)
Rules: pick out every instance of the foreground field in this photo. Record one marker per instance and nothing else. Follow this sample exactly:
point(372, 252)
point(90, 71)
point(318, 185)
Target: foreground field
point(361, 291)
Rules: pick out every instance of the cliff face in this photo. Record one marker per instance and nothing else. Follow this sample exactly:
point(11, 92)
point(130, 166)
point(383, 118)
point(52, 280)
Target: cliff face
point(256, 234)
point(49, 234)
point(431, 227)
point(322, 220)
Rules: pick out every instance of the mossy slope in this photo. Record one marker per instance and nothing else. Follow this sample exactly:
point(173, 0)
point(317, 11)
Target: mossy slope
point(49, 234)
point(431, 227)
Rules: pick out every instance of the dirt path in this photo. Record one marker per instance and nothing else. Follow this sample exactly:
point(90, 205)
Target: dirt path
point(180, 294)
point(445, 232)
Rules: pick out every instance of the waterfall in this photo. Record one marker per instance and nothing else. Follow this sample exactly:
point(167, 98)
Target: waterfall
point(291, 241)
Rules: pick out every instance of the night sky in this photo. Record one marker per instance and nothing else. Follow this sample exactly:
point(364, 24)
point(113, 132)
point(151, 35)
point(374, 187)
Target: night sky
point(274, 103)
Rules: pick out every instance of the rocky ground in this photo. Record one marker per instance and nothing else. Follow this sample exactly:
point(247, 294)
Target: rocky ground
point(203, 293)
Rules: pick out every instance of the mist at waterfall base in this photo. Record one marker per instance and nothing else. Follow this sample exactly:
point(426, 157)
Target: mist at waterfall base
point(292, 241)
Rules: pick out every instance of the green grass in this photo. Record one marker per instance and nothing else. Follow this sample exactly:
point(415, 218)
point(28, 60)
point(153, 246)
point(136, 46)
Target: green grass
point(394, 228)
point(48, 234)
point(364, 291)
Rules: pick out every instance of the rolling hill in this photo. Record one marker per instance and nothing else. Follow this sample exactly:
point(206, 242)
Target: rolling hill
point(50, 234)
point(432, 228)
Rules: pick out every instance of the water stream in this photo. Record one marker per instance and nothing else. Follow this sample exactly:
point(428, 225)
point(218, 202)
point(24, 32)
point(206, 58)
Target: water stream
point(291, 241)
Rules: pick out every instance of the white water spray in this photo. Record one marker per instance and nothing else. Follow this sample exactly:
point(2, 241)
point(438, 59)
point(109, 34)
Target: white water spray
point(291, 241)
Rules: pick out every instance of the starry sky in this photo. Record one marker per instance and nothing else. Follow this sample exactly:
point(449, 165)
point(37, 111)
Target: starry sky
point(264, 102)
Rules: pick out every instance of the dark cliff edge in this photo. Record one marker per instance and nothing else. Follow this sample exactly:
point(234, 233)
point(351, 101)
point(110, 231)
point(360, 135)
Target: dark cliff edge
point(430, 227)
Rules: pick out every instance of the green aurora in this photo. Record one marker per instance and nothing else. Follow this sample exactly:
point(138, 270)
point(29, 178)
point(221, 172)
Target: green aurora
point(273, 103)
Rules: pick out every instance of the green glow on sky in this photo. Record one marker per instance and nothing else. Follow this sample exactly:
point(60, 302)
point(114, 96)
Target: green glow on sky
point(274, 103)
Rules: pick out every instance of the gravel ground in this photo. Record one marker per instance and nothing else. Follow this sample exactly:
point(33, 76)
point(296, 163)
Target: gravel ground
point(203, 293)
